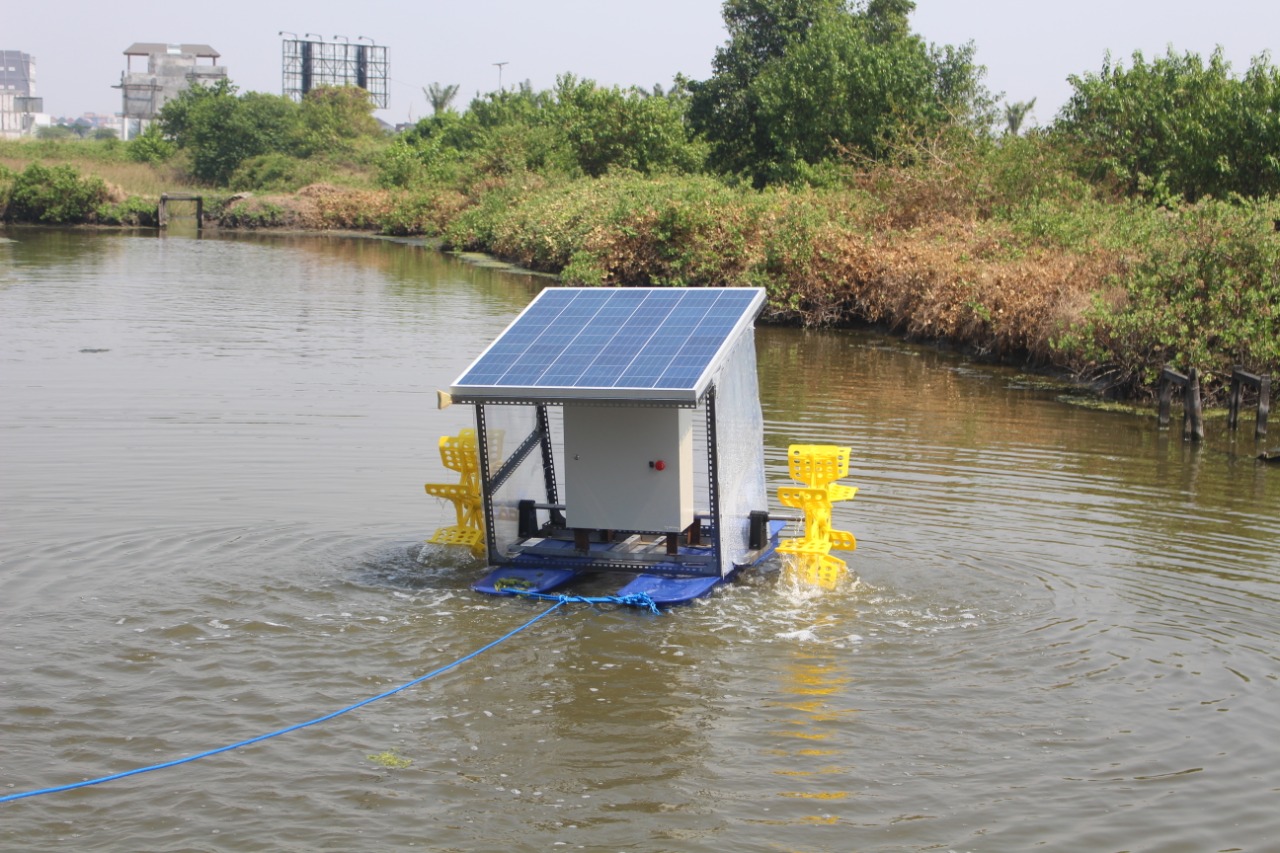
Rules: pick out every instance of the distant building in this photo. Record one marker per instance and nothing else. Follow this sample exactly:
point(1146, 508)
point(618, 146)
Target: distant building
point(17, 73)
point(19, 105)
point(171, 68)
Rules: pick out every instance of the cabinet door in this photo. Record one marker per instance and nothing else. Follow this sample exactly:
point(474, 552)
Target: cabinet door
point(628, 468)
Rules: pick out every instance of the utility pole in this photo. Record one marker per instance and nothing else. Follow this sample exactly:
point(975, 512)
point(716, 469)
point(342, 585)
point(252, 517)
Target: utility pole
point(500, 64)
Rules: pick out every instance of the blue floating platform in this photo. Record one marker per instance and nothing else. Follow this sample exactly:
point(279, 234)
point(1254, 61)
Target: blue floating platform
point(666, 590)
point(509, 581)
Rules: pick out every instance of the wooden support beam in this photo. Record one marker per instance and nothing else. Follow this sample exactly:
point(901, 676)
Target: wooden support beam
point(1240, 379)
point(1164, 391)
point(1192, 410)
point(694, 531)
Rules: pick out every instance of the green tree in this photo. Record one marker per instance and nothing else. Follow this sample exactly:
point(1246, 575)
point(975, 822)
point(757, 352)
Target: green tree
point(1015, 114)
point(1178, 127)
point(889, 19)
point(224, 131)
point(331, 119)
point(440, 97)
point(803, 80)
point(174, 118)
point(608, 128)
point(724, 109)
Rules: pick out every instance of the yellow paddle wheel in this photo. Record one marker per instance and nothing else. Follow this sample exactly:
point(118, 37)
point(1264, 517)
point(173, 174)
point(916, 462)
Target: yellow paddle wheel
point(817, 466)
point(458, 453)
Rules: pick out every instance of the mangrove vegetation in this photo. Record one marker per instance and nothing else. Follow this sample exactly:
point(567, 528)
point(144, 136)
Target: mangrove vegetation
point(857, 172)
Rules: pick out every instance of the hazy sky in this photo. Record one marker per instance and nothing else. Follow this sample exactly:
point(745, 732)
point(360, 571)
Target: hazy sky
point(1029, 47)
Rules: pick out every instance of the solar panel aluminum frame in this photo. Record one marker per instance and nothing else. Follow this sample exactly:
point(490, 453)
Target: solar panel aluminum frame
point(687, 396)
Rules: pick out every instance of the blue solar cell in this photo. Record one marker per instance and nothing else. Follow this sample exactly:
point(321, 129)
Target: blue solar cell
point(603, 339)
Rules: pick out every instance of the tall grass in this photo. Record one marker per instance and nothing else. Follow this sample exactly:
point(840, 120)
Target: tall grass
point(105, 159)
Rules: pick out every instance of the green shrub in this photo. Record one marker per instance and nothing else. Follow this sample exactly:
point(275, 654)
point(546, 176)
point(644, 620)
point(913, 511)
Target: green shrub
point(150, 147)
point(131, 211)
point(1177, 127)
point(423, 213)
point(1204, 293)
point(407, 164)
point(54, 195)
point(6, 186)
point(54, 132)
point(275, 172)
point(253, 213)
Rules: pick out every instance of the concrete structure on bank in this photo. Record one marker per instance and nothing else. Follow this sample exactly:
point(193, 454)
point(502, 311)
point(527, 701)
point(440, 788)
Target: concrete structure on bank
point(170, 68)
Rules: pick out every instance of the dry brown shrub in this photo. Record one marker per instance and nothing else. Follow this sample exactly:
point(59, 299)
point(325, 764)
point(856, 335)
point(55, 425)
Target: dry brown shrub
point(720, 249)
point(322, 206)
point(951, 281)
point(626, 252)
point(115, 195)
point(316, 207)
point(934, 187)
point(442, 208)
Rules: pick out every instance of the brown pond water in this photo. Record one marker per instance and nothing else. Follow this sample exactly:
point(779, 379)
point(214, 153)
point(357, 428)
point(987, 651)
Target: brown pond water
point(1065, 634)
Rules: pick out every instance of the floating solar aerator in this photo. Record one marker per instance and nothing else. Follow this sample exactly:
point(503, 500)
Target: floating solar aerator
point(618, 430)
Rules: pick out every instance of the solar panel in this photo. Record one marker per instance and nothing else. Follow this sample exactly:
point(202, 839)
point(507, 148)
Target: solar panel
point(583, 343)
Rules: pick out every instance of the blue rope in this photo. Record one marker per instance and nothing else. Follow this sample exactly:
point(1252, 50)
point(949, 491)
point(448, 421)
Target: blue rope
point(559, 603)
point(635, 599)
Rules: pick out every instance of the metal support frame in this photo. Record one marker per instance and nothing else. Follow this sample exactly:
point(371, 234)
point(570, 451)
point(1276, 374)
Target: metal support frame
point(486, 487)
point(549, 465)
point(491, 481)
point(713, 477)
point(521, 453)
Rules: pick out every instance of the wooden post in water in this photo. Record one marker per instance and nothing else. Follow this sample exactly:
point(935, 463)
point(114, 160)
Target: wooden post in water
point(1239, 379)
point(1264, 407)
point(1233, 399)
point(1192, 413)
point(1164, 391)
